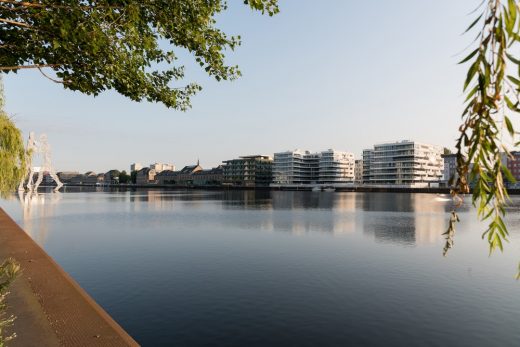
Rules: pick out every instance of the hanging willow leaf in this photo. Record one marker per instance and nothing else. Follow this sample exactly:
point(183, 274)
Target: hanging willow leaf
point(473, 24)
point(471, 55)
point(480, 146)
point(509, 126)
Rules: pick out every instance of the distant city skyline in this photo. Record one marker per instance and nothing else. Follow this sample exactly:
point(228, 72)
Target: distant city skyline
point(341, 75)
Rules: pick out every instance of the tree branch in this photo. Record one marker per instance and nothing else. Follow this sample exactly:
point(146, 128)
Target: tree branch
point(31, 4)
point(52, 79)
point(15, 23)
point(21, 3)
point(19, 67)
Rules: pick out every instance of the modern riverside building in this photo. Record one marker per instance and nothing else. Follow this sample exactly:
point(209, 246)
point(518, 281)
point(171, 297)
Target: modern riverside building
point(336, 167)
point(513, 164)
point(248, 171)
point(405, 163)
point(296, 167)
point(450, 167)
point(367, 160)
point(358, 171)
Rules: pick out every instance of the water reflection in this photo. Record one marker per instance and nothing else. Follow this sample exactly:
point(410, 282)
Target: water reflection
point(405, 219)
point(219, 265)
point(408, 219)
point(36, 209)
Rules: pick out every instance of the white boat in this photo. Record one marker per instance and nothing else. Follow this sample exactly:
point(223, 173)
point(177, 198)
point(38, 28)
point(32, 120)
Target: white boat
point(329, 189)
point(316, 189)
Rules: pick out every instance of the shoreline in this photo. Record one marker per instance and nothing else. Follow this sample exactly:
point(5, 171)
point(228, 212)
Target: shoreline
point(50, 306)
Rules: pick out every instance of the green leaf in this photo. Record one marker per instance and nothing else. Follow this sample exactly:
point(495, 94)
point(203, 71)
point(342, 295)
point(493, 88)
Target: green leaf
point(471, 55)
point(471, 73)
point(512, 10)
point(514, 80)
point(513, 59)
point(510, 105)
point(471, 93)
point(508, 174)
point(473, 23)
point(509, 126)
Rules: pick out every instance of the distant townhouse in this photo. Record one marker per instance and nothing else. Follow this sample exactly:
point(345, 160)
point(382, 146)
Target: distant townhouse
point(404, 163)
point(166, 177)
point(78, 179)
point(111, 177)
point(145, 176)
point(67, 176)
point(212, 177)
point(336, 167)
point(358, 171)
point(100, 178)
point(184, 177)
point(248, 171)
point(91, 178)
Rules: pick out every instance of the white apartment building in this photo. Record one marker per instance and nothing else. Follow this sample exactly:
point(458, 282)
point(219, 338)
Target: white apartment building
point(135, 167)
point(405, 163)
point(159, 167)
point(336, 167)
point(304, 167)
point(296, 167)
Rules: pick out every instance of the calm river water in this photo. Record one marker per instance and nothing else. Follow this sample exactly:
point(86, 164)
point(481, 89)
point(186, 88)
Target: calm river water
point(197, 268)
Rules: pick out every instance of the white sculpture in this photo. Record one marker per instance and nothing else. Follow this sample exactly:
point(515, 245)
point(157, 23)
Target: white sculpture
point(30, 150)
point(42, 147)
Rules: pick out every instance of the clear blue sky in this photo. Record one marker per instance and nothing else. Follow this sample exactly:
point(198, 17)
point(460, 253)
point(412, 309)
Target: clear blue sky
point(340, 74)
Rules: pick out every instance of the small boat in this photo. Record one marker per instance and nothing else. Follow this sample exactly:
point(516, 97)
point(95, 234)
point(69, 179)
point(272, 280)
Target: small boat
point(316, 189)
point(329, 189)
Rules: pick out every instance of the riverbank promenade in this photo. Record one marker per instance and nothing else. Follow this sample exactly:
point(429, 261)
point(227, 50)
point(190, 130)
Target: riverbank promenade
point(51, 308)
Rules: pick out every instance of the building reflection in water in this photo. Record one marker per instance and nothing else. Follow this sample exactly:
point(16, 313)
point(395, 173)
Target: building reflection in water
point(37, 209)
point(296, 212)
point(408, 219)
point(303, 212)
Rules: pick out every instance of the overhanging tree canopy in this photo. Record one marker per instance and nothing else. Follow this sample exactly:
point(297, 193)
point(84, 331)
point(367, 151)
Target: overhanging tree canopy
point(126, 45)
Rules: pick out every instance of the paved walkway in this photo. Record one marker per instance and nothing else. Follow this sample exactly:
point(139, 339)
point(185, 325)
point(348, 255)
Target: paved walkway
point(52, 309)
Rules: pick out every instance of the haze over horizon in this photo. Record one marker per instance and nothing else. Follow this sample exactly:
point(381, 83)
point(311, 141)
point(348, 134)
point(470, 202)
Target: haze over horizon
point(341, 75)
